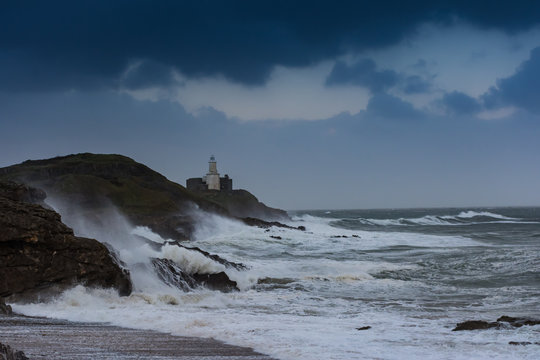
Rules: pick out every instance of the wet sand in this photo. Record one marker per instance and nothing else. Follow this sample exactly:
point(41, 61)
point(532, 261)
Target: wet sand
point(41, 338)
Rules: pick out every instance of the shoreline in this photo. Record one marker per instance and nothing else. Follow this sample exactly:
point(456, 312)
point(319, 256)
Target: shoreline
point(52, 339)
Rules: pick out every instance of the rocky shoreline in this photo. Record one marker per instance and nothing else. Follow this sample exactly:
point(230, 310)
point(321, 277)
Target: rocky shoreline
point(41, 338)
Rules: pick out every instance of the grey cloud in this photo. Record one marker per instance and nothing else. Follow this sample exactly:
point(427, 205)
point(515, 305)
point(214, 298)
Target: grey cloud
point(458, 103)
point(391, 107)
point(149, 74)
point(522, 89)
point(362, 73)
point(66, 44)
point(415, 84)
point(365, 73)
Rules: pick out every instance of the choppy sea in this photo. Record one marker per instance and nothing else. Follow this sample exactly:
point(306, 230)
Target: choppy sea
point(410, 275)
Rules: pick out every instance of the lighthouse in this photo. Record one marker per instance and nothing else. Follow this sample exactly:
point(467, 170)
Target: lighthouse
point(212, 178)
point(211, 181)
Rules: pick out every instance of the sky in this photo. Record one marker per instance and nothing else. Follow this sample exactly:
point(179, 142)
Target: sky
point(307, 104)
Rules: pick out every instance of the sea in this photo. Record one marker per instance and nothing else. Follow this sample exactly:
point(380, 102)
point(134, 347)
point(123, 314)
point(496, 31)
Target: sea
point(407, 276)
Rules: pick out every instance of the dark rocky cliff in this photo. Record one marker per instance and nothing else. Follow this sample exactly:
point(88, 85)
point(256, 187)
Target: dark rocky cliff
point(38, 252)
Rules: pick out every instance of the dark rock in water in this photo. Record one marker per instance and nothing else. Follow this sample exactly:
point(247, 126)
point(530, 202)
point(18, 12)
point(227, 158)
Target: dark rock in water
point(364, 328)
point(219, 281)
point(38, 252)
point(276, 237)
point(7, 353)
point(268, 224)
point(172, 275)
point(523, 343)
point(504, 322)
point(4, 309)
point(216, 258)
point(476, 325)
point(518, 322)
point(355, 236)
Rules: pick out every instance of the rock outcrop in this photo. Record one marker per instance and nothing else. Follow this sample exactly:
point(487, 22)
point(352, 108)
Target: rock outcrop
point(241, 203)
point(38, 251)
point(172, 275)
point(504, 322)
point(268, 224)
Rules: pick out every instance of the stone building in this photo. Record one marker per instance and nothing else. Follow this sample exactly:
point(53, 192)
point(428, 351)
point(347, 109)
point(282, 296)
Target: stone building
point(211, 181)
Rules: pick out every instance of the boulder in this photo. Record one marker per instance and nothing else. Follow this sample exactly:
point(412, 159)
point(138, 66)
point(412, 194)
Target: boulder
point(38, 251)
point(171, 274)
point(518, 322)
point(475, 325)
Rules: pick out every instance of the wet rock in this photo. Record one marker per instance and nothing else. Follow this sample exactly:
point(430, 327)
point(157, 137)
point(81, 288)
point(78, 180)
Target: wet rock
point(518, 322)
point(214, 257)
point(522, 343)
point(364, 328)
point(7, 353)
point(504, 322)
point(276, 237)
point(38, 252)
point(251, 221)
point(171, 274)
point(476, 325)
point(4, 309)
point(355, 236)
point(219, 281)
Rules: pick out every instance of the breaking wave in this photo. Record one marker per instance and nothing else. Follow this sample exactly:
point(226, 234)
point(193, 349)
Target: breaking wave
point(463, 218)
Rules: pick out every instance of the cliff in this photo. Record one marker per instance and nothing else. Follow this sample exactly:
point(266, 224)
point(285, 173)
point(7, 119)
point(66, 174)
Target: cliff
point(243, 204)
point(88, 184)
point(38, 252)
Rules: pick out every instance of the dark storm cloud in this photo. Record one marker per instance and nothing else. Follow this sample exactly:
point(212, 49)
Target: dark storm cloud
point(458, 103)
point(386, 106)
point(148, 74)
point(521, 89)
point(415, 84)
point(365, 73)
point(362, 73)
point(88, 44)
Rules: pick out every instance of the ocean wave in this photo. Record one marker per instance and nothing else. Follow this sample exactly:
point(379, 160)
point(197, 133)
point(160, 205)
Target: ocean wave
point(463, 218)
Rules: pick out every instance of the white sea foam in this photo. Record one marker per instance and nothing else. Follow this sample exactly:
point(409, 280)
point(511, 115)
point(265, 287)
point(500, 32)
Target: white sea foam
point(464, 218)
point(471, 214)
point(317, 289)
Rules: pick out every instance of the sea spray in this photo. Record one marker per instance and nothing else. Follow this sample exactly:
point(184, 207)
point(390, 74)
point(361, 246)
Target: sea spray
point(309, 291)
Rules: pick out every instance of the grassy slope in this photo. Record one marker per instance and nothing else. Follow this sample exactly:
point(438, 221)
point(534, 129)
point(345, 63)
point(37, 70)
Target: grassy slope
point(94, 179)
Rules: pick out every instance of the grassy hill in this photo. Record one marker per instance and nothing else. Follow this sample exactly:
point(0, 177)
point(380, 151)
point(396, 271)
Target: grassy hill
point(92, 182)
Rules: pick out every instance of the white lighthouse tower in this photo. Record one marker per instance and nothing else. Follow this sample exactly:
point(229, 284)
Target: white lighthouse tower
point(212, 178)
